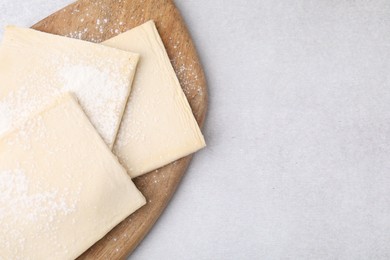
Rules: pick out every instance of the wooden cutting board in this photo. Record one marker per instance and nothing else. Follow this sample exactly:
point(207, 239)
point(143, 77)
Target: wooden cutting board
point(99, 20)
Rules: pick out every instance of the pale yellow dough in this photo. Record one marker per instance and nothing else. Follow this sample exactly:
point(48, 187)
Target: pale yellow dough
point(36, 66)
point(61, 187)
point(158, 126)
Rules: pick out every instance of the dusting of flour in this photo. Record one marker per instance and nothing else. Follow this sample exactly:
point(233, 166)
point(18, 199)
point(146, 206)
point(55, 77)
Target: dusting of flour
point(5, 117)
point(101, 93)
point(25, 205)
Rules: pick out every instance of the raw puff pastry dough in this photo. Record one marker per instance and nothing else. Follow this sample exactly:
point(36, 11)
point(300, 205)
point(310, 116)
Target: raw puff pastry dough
point(61, 187)
point(36, 66)
point(158, 126)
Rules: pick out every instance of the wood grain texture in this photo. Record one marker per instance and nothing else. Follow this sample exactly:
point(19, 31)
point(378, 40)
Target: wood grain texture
point(99, 20)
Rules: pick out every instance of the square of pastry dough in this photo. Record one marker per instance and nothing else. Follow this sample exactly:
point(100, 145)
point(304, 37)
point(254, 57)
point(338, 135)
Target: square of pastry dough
point(61, 187)
point(158, 125)
point(36, 66)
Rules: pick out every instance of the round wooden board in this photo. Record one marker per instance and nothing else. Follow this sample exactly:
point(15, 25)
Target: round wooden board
point(99, 20)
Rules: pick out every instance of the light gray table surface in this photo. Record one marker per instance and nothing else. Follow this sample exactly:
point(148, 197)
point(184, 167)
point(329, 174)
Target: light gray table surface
point(298, 158)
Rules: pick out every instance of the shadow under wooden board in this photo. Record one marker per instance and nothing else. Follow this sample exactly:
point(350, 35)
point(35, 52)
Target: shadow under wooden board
point(99, 20)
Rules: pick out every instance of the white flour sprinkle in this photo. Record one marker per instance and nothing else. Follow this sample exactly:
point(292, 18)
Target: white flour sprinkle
point(24, 204)
point(16, 196)
point(5, 118)
point(17, 107)
point(100, 94)
point(33, 130)
point(80, 34)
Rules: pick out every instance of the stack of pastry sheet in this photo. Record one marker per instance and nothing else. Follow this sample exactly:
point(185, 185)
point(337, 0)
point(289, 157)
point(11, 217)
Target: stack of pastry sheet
point(64, 105)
